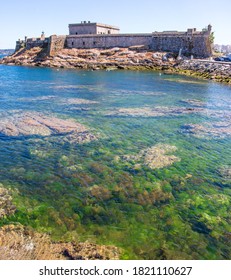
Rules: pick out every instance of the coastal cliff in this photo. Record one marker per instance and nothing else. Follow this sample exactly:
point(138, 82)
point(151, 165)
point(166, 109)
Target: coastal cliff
point(132, 58)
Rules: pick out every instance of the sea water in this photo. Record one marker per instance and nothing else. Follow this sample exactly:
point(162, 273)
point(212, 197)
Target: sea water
point(100, 191)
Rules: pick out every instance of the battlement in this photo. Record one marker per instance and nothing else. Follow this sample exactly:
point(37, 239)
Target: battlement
point(28, 43)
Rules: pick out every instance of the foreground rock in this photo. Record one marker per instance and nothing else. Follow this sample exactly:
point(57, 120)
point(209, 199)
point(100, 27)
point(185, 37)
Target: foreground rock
point(158, 156)
point(33, 123)
point(20, 243)
point(6, 206)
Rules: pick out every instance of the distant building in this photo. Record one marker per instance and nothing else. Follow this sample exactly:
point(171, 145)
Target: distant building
point(87, 27)
point(226, 49)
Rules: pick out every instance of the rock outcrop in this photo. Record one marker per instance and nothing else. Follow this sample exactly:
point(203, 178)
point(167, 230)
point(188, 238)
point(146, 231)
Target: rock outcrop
point(134, 58)
point(115, 58)
point(20, 243)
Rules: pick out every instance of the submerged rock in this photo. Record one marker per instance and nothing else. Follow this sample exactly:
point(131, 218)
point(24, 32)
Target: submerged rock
point(183, 81)
point(40, 153)
point(76, 101)
point(152, 112)
point(158, 156)
point(155, 157)
point(208, 130)
point(6, 206)
point(39, 98)
point(124, 92)
point(225, 172)
point(218, 114)
point(195, 102)
point(20, 243)
point(33, 123)
point(210, 105)
point(100, 192)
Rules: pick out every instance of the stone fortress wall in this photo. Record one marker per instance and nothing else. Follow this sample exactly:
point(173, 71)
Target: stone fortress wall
point(28, 43)
point(108, 41)
point(88, 35)
point(56, 43)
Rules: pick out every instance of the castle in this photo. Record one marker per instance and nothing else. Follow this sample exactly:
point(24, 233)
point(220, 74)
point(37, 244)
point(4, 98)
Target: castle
point(86, 35)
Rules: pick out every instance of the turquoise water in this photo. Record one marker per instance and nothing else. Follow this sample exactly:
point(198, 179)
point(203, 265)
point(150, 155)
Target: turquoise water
point(89, 192)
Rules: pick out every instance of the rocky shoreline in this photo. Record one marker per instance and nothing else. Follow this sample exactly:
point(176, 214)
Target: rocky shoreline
point(18, 242)
point(132, 58)
point(212, 70)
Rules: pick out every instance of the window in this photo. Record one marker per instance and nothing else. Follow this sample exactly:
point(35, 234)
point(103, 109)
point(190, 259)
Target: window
point(76, 33)
point(83, 43)
point(94, 43)
point(72, 43)
point(109, 31)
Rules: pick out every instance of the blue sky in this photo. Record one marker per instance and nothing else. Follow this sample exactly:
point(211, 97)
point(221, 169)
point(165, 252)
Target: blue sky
point(30, 18)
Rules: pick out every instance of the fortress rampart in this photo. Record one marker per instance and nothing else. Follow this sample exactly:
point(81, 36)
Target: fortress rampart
point(190, 42)
point(32, 42)
point(108, 41)
point(193, 43)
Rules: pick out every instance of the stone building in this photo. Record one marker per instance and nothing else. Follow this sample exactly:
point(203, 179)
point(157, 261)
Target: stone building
point(87, 35)
point(190, 42)
point(85, 27)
